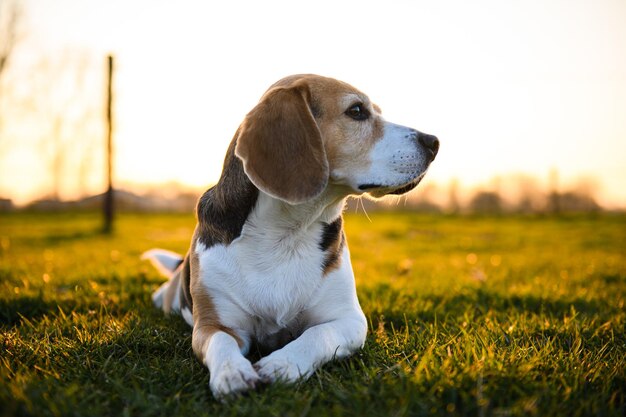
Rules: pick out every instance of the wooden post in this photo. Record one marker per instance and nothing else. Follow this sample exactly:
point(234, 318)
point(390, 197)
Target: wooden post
point(108, 196)
point(554, 198)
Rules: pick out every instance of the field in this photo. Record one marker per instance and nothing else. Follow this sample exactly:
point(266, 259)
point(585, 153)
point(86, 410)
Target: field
point(468, 316)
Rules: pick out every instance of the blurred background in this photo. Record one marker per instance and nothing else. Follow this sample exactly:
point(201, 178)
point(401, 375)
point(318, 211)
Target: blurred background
point(528, 98)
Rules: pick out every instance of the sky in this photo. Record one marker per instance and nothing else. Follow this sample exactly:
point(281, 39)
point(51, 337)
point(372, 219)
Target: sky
point(531, 87)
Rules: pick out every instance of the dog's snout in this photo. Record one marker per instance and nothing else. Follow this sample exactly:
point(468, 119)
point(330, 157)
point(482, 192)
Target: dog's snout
point(430, 142)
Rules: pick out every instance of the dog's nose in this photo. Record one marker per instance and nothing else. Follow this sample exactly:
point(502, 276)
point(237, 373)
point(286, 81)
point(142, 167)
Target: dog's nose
point(430, 142)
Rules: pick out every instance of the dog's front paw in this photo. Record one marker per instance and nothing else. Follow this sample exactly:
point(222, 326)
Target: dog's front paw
point(279, 366)
point(233, 377)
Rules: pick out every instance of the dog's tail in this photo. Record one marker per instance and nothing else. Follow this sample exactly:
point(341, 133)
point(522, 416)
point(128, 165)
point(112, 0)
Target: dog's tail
point(165, 261)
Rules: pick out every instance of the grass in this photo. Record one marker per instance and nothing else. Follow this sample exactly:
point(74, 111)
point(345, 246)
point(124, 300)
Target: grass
point(468, 316)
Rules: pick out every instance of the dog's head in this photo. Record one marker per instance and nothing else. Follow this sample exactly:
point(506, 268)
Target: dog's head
point(309, 132)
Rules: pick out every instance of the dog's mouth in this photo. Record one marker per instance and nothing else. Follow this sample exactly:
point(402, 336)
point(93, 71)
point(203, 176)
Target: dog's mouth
point(379, 190)
point(408, 187)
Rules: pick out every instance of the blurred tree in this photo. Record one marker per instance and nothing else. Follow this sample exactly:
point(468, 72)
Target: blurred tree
point(422, 199)
point(454, 205)
point(578, 202)
point(554, 196)
point(524, 193)
point(53, 113)
point(66, 110)
point(486, 202)
point(50, 110)
point(9, 17)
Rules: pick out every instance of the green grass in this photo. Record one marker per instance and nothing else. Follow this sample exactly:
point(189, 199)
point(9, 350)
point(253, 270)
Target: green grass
point(468, 316)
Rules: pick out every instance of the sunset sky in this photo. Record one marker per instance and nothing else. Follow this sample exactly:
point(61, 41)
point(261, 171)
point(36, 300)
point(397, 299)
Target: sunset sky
point(509, 87)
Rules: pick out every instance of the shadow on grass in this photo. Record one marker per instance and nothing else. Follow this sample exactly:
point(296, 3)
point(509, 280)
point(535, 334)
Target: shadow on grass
point(116, 295)
point(141, 364)
point(55, 238)
point(477, 302)
point(29, 307)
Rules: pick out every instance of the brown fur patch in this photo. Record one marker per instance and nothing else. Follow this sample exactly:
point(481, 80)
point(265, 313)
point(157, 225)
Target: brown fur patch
point(171, 292)
point(281, 146)
point(206, 320)
point(347, 141)
point(206, 323)
point(185, 285)
point(176, 288)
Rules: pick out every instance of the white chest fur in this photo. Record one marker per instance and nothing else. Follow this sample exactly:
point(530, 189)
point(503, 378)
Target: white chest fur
point(269, 275)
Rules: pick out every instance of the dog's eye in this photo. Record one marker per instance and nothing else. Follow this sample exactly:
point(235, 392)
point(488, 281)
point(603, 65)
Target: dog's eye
point(357, 112)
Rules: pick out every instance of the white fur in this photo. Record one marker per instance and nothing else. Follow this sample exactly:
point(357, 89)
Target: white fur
point(336, 327)
point(187, 315)
point(270, 278)
point(230, 371)
point(395, 160)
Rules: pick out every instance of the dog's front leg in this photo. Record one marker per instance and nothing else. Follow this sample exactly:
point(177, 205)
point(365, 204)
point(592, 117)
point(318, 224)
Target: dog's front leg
point(316, 346)
point(230, 371)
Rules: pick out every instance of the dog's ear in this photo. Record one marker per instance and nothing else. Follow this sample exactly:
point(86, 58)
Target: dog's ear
point(281, 146)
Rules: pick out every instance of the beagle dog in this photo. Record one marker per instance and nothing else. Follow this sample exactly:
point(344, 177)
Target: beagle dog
point(269, 264)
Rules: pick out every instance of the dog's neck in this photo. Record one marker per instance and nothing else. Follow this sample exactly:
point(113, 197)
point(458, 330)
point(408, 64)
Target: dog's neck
point(293, 218)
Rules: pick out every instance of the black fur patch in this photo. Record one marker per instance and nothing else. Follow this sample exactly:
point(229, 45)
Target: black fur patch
point(331, 234)
point(224, 208)
point(332, 242)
